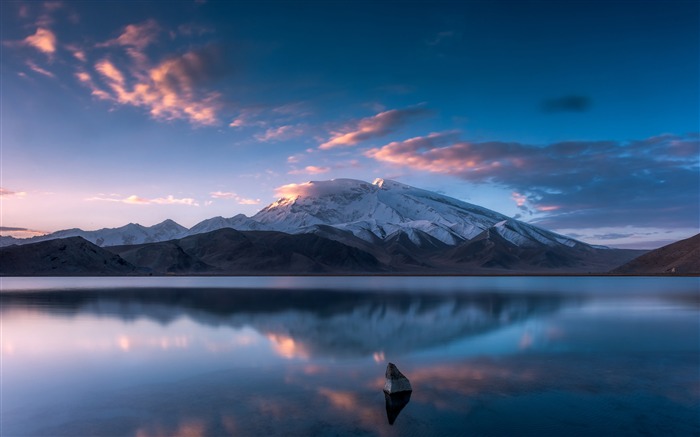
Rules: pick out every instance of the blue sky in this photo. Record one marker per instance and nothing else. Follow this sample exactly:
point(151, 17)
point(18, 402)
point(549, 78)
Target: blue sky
point(581, 117)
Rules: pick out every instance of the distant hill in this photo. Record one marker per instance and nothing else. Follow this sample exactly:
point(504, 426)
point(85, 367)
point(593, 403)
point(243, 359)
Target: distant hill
point(65, 256)
point(681, 257)
point(227, 251)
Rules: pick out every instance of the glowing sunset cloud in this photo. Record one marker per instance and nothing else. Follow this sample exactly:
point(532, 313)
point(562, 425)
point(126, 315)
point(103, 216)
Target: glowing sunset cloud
point(137, 200)
point(138, 36)
point(311, 170)
point(43, 40)
point(287, 347)
point(376, 126)
point(567, 176)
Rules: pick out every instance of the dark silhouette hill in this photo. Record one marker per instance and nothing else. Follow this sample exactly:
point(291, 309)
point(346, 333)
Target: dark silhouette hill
point(65, 256)
point(681, 257)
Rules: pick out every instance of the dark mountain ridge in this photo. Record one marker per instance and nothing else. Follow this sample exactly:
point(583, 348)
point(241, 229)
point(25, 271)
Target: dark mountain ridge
point(681, 257)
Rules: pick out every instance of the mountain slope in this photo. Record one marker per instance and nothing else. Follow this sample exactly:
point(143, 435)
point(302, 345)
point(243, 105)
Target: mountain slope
point(681, 257)
point(227, 251)
point(66, 256)
point(239, 222)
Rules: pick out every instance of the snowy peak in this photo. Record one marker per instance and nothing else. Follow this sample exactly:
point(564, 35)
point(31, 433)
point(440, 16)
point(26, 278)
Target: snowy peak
point(239, 222)
point(385, 207)
point(386, 184)
point(373, 212)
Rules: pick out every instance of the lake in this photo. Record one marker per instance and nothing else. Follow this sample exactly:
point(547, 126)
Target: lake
point(490, 356)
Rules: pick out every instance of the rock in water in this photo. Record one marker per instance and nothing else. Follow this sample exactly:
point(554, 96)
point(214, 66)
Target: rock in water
point(395, 380)
point(395, 403)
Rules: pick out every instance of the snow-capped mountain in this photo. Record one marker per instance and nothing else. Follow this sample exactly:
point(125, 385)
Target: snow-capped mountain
point(239, 222)
point(346, 225)
point(372, 212)
point(128, 234)
point(385, 208)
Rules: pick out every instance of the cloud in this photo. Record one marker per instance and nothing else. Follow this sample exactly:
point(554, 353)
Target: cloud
point(43, 40)
point(312, 170)
point(16, 232)
point(573, 183)
point(234, 196)
point(77, 52)
point(108, 70)
point(281, 133)
point(311, 188)
point(137, 200)
point(192, 29)
point(376, 126)
point(4, 192)
point(35, 68)
point(169, 90)
point(573, 103)
point(139, 36)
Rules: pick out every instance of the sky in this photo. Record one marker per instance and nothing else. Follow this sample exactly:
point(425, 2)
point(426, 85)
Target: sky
point(582, 117)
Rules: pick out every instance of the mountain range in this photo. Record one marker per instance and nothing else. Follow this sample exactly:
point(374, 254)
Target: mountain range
point(346, 225)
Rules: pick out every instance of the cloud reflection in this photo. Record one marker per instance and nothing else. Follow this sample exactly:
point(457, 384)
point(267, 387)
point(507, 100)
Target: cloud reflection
point(314, 323)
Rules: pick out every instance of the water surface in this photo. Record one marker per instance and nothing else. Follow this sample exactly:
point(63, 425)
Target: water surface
point(306, 356)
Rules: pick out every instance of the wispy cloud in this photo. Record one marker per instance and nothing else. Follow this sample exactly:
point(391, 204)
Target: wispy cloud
point(139, 36)
point(376, 126)
point(281, 133)
point(233, 196)
point(4, 192)
point(575, 183)
point(311, 170)
point(35, 68)
point(138, 200)
point(10, 231)
point(169, 90)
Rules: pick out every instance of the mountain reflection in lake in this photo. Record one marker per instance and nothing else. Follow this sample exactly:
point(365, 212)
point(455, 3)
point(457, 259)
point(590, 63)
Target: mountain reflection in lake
point(227, 361)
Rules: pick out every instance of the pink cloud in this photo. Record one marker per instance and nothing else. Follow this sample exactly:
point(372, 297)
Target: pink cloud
point(139, 35)
point(108, 70)
point(169, 90)
point(4, 192)
point(234, 196)
point(311, 188)
point(138, 200)
point(519, 199)
point(43, 40)
point(376, 126)
point(312, 170)
point(463, 158)
point(77, 52)
point(292, 190)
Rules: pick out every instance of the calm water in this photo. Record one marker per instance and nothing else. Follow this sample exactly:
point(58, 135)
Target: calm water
point(306, 356)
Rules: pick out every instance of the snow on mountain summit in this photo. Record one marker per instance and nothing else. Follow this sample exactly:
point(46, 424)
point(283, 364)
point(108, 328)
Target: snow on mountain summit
point(382, 209)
